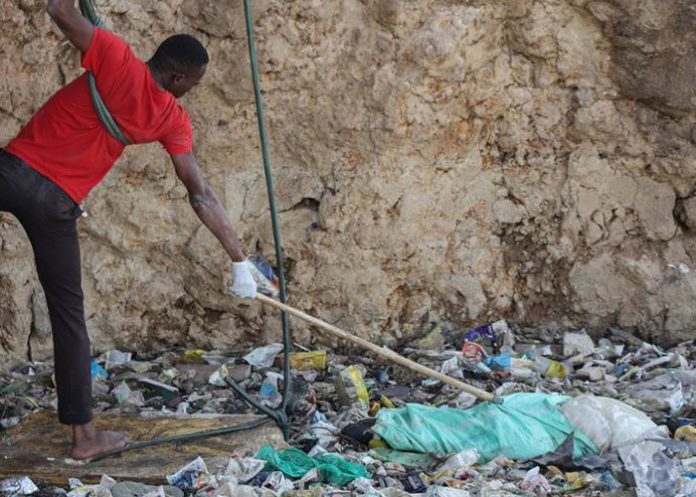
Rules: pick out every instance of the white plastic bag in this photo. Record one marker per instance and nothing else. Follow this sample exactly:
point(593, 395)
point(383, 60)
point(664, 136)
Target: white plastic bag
point(613, 425)
point(609, 423)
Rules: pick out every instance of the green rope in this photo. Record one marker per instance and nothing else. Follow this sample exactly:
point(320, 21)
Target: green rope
point(105, 117)
point(266, 157)
point(185, 437)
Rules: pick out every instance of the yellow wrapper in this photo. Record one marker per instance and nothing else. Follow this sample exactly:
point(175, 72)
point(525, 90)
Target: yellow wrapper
point(351, 387)
point(556, 370)
point(577, 480)
point(308, 360)
point(192, 356)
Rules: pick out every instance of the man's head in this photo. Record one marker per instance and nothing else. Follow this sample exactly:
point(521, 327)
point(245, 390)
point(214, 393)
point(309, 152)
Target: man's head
point(181, 61)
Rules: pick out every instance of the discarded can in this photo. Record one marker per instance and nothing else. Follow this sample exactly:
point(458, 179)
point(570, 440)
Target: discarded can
point(414, 484)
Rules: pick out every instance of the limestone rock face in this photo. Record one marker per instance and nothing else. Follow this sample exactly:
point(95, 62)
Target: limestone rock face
point(433, 160)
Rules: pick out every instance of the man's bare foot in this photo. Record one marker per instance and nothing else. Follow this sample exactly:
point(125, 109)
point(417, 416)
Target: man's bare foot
point(90, 442)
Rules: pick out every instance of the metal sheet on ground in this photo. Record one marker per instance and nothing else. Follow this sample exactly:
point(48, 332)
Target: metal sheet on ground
point(38, 447)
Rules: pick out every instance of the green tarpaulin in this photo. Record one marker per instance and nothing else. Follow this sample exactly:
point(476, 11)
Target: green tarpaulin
point(524, 426)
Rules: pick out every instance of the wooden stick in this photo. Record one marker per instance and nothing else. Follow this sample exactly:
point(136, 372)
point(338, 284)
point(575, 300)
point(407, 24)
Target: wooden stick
point(383, 351)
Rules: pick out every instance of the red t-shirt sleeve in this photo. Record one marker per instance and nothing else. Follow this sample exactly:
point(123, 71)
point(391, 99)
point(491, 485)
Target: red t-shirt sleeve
point(180, 139)
point(107, 58)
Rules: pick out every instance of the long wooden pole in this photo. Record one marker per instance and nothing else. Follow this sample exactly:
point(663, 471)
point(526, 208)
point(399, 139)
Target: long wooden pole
point(383, 351)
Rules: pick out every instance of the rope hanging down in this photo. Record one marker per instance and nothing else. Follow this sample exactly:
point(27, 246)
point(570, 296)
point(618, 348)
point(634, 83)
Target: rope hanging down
point(105, 117)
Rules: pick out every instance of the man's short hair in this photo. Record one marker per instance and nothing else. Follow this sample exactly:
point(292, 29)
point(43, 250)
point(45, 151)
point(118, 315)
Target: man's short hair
point(180, 53)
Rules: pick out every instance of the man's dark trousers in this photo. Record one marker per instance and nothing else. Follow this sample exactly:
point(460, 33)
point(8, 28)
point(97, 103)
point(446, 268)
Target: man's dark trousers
point(49, 217)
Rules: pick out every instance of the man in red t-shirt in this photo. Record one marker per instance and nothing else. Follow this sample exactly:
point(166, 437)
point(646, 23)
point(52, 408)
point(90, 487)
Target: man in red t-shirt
point(65, 150)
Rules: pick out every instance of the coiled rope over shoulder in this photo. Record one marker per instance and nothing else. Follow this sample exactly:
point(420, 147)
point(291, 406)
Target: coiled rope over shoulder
point(105, 117)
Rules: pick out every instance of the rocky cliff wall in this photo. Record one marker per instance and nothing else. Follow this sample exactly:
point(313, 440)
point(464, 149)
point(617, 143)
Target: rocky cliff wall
point(434, 160)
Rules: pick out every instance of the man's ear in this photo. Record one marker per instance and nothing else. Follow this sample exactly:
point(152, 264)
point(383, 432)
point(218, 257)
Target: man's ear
point(177, 78)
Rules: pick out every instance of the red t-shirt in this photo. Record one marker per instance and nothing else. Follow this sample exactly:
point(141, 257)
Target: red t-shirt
point(65, 140)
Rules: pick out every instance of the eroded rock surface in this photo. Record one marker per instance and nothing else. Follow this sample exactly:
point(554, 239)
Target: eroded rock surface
point(532, 160)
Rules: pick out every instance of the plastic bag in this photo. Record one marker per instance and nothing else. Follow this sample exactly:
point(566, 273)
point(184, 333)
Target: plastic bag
point(193, 475)
point(294, 463)
point(613, 425)
point(243, 469)
point(18, 486)
point(263, 357)
point(610, 423)
point(577, 343)
point(462, 459)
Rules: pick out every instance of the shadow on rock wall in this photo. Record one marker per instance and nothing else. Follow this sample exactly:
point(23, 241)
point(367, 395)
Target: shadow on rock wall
point(654, 50)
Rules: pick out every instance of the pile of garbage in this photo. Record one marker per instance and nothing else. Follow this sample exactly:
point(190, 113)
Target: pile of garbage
point(572, 416)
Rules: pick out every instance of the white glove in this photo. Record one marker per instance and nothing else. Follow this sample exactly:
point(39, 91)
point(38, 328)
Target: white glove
point(243, 284)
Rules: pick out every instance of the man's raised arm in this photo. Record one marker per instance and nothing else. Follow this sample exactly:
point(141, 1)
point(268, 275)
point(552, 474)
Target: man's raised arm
point(78, 29)
point(206, 204)
point(210, 211)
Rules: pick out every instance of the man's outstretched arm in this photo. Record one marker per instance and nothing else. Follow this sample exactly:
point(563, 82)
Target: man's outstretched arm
point(206, 204)
point(78, 29)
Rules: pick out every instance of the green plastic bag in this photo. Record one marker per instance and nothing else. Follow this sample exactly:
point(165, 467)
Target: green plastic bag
point(294, 463)
point(524, 426)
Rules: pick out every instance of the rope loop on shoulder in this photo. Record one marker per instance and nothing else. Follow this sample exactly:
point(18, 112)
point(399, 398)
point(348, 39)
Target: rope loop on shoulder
point(87, 10)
